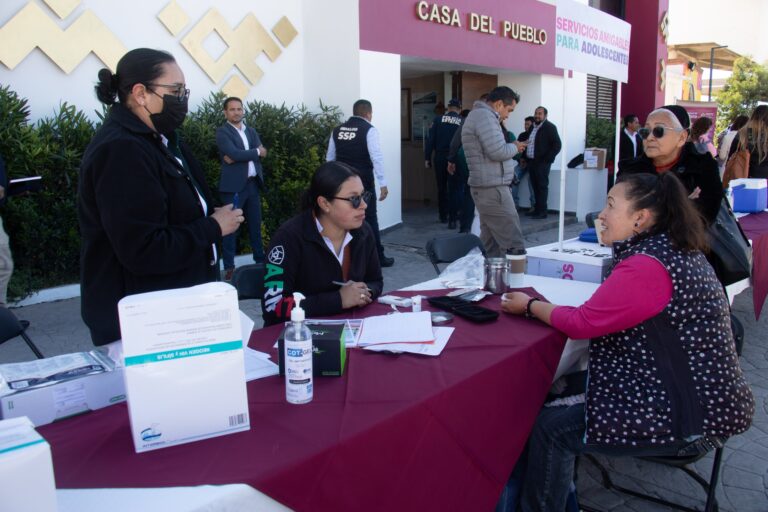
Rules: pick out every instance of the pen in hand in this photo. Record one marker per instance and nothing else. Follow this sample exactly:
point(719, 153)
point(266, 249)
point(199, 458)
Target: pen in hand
point(235, 201)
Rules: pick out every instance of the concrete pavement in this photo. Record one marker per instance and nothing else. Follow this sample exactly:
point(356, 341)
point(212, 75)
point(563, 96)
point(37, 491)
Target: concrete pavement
point(57, 328)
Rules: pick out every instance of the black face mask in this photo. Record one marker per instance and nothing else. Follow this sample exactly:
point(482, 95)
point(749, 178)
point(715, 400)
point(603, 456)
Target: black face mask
point(171, 117)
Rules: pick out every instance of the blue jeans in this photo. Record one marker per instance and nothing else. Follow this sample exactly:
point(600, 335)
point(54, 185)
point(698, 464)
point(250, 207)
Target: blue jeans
point(545, 477)
point(519, 173)
point(250, 201)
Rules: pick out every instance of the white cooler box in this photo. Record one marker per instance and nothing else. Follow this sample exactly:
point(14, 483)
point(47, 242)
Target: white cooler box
point(579, 261)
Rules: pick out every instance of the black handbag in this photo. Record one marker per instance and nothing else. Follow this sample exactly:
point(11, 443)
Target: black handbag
point(729, 251)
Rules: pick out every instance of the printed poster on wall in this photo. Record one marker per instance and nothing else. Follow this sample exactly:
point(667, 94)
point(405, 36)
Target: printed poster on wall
point(591, 41)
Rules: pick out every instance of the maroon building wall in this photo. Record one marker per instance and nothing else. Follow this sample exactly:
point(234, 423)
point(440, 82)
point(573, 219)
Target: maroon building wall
point(641, 94)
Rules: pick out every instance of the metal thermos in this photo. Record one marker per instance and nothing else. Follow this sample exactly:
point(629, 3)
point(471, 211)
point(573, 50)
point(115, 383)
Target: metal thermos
point(496, 275)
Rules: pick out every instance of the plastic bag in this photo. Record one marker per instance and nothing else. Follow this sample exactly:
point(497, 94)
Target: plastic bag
point(466, 272)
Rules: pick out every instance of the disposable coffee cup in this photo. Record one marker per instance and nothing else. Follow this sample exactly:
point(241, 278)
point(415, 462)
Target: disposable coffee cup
point(599, 231)
point(516, 261)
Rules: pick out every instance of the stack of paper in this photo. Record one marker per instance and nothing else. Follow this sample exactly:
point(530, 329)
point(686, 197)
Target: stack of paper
point(442, 334)
point(397, 328)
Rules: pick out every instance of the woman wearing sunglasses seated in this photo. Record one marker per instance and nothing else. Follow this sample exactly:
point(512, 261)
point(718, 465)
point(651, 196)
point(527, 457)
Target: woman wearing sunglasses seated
point(663, 376)
point(667, 149)
point(327, 252)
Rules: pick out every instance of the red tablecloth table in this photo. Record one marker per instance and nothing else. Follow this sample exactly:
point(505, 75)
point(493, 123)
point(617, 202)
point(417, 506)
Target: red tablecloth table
point(396, 432)
point(755, 225)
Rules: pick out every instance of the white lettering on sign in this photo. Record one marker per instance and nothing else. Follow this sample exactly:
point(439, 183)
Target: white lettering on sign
point(346, 135)
point(450, 16)
point(436, 13)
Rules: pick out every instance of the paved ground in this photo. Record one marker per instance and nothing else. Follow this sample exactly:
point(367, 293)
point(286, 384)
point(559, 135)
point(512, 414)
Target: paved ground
point(57, 328)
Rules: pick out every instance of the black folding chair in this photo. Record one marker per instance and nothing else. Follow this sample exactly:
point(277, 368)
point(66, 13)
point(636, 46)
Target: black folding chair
point(684, 463)
point(11, 327)
point(249, 281)
point(449, 248)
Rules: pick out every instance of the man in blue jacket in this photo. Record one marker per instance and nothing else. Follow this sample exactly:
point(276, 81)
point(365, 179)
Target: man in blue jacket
point(242, 178)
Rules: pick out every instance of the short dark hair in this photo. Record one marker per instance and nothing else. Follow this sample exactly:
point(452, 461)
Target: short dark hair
point(630, 118)
point(326, 182)
point(666, 198)
point(139, 66)
point(503, 93)
point(699, 127)
point(546, 112)
point(739, 122)
point(231, 98)
point(531, 119)
point(362, 107)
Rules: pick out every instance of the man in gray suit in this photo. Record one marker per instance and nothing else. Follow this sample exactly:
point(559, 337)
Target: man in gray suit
point(242, 178)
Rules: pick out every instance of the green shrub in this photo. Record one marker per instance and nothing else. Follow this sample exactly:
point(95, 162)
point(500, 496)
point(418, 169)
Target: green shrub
point(43, 228)
point(601, 133)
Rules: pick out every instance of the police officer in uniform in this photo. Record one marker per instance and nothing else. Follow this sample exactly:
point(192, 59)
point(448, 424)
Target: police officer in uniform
point(439, 140)
point(356, 143)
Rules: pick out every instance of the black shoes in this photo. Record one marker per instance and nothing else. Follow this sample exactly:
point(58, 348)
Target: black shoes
point(384, 261)
point(541, 215)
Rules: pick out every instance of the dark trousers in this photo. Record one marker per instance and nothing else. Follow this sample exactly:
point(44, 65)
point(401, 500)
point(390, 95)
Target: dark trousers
point(538, 173)
point(441, 178)
point(467, 208)
point(372, 218)
point(456, 187)
point(249, 200)
point(555, 441)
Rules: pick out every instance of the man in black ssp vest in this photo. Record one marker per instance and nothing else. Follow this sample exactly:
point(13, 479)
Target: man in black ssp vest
point(356, 143)
point(439, 140)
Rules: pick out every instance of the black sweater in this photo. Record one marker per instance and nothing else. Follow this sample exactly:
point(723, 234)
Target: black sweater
point(299, 260)
point(141, 221)
point(694, 170)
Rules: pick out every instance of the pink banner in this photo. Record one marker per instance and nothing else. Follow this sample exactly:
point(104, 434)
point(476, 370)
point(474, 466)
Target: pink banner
point(499, 34)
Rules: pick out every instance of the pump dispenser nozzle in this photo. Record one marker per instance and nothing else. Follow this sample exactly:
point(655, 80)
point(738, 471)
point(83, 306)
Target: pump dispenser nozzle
point(297, 314)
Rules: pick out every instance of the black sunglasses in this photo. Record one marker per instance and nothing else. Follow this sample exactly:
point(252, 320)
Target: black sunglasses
point(355, 201)
point(657, 131)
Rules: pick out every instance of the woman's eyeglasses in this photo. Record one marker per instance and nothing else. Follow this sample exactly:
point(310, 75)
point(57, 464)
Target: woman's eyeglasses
point(179, 90)
point(355, 201)
point(658, 131)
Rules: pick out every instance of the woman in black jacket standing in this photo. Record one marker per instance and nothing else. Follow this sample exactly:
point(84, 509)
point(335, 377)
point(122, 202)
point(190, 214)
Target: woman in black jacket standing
point(146, 215)
point(667, 149)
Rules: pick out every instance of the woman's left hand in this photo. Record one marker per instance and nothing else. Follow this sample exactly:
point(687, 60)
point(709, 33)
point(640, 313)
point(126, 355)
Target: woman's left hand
point(515, 302)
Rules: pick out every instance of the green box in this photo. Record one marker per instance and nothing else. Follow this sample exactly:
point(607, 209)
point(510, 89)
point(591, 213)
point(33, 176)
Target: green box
point(329, 350)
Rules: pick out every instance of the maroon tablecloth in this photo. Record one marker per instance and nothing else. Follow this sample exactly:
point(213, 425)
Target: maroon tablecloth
point(755, 225)
point(398, 432)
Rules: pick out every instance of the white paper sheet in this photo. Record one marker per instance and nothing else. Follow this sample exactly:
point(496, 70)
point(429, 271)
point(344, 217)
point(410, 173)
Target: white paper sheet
point(258, 365)
point(397, 328)
point(442, 334)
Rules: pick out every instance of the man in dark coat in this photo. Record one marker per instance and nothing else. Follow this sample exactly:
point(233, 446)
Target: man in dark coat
point(242, 178)
point(439, 141)
point(630, 143)
point(543, 146)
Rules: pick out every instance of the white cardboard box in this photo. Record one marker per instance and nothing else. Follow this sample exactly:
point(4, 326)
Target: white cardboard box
point(54, 388)
point(26, 469)
point(579, 261)
point(184, 366)
point(68, 398)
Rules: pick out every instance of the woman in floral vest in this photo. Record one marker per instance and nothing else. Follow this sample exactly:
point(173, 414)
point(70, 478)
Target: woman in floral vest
point(663, 376)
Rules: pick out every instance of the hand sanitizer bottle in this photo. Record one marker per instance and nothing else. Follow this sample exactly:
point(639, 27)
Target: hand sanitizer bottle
point(298, 356)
